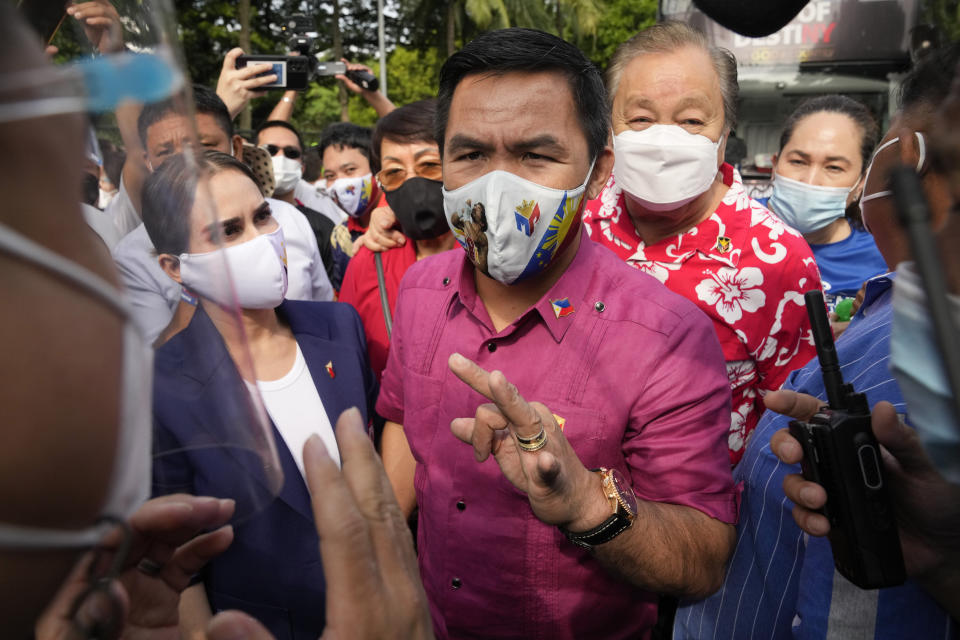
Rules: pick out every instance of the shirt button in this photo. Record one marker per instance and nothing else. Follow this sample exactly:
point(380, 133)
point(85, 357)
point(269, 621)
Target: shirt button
point(461, 505)
point(456, 583)
point(446, 281)
point(599, 307)
point(491, 346)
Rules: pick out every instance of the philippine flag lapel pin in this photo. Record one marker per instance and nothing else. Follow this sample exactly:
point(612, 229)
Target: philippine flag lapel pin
point(562, 307)
point(330, 371)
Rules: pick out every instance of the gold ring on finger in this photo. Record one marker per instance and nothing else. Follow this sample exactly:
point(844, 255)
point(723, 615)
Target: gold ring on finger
point(533, 443)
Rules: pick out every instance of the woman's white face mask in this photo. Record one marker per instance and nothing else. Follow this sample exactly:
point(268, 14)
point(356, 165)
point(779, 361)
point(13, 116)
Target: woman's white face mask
point(258, 268)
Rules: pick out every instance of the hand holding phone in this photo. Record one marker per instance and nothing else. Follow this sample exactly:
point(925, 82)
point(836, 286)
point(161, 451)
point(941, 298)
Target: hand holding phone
point(292, 72)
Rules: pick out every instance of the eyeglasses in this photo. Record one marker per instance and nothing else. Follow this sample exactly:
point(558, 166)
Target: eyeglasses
point(392, 177)
point(291, 152)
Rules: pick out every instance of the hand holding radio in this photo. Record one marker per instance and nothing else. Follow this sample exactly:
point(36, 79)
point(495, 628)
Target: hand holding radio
point(841, 454)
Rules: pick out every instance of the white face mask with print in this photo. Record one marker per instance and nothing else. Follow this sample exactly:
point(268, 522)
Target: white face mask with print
point(512, 228)
point(286, 173)
point(353, 194)
point(130, 481)
point(663, 167)
point(258, 267)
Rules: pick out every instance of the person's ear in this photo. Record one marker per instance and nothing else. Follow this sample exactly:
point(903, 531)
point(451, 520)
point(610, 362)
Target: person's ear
point(722, 149)
point(171, 266)
point(601, 173)
point(237, 143)
point(856, 190)
point(146, 162)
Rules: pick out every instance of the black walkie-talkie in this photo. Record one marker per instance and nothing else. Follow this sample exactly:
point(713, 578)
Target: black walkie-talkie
point(841, 454)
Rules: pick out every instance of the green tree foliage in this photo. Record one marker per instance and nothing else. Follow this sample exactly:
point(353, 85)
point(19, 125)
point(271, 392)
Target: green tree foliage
point(619, 20)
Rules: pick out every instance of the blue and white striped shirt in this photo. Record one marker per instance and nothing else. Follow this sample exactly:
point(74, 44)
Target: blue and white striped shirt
point(781, 583)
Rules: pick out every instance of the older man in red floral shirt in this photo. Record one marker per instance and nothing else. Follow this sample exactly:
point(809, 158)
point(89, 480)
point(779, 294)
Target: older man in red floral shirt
point(673, 209)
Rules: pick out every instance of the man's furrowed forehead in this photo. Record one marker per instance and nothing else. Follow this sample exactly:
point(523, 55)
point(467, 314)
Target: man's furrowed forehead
point(514, 108)
point(176, 127)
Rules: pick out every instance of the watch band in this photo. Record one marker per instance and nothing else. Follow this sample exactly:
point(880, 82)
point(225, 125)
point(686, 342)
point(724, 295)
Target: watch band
point(605, 532)
point(617, 523)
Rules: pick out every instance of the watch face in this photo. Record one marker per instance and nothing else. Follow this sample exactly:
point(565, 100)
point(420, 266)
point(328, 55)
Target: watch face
point(625, 491)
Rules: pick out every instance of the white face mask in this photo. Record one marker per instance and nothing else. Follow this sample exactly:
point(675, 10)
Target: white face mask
point(130, 481)
point(353, 194)
point(664, 166)
point(807, 207)
point(258, 267)
point(286, 173)
point(512, 228)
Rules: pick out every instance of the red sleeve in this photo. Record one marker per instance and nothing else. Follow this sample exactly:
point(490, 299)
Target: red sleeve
point(360, 289)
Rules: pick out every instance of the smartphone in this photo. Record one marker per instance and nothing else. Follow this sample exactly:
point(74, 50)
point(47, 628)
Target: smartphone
point(293, 72)
point(841, 454)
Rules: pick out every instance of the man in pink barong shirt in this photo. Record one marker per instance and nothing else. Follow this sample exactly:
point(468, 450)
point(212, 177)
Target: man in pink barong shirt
point(564, 519)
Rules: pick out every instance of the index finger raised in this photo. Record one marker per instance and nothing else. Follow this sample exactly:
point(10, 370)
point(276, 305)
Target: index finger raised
point(471, 373)
point(518, 412)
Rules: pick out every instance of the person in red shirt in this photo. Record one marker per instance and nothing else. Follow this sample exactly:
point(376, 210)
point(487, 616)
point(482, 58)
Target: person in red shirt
point(410, 177)
point(675, 210)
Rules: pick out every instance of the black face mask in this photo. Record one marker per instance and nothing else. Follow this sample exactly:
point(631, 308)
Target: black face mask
point(418, 203)
point(91, 189)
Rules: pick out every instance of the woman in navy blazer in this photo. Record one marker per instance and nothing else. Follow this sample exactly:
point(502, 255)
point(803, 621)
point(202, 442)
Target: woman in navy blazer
point(272, 570)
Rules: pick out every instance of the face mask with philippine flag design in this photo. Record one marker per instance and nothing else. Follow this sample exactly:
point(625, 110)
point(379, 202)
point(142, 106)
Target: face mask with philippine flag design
point(512, 228)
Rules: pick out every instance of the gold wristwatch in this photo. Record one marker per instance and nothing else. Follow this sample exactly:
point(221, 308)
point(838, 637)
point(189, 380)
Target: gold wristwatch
point(623, 503)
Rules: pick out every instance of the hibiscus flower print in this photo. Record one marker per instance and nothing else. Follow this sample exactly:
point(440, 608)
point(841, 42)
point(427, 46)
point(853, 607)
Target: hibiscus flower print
point(741, 373)
point(660, 271)
point(738, 421)
point(733, 292)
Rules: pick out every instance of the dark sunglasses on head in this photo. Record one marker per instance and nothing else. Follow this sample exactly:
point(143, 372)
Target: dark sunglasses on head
point(291, 152)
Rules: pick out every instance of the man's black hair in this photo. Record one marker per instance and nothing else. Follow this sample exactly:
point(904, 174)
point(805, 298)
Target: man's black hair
point(205, 100)
point(312, 164)
point(412, 122)
point(346, 134)
point(529, 50)
point(928, 82)
point(283, 124)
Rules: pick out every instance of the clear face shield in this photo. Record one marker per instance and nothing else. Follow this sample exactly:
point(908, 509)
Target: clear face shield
point(194, 424)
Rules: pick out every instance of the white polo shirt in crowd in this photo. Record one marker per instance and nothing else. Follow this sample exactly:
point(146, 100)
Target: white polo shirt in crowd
point(154, 296)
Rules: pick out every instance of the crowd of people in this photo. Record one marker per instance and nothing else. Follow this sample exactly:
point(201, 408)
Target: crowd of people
point(518, 362)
